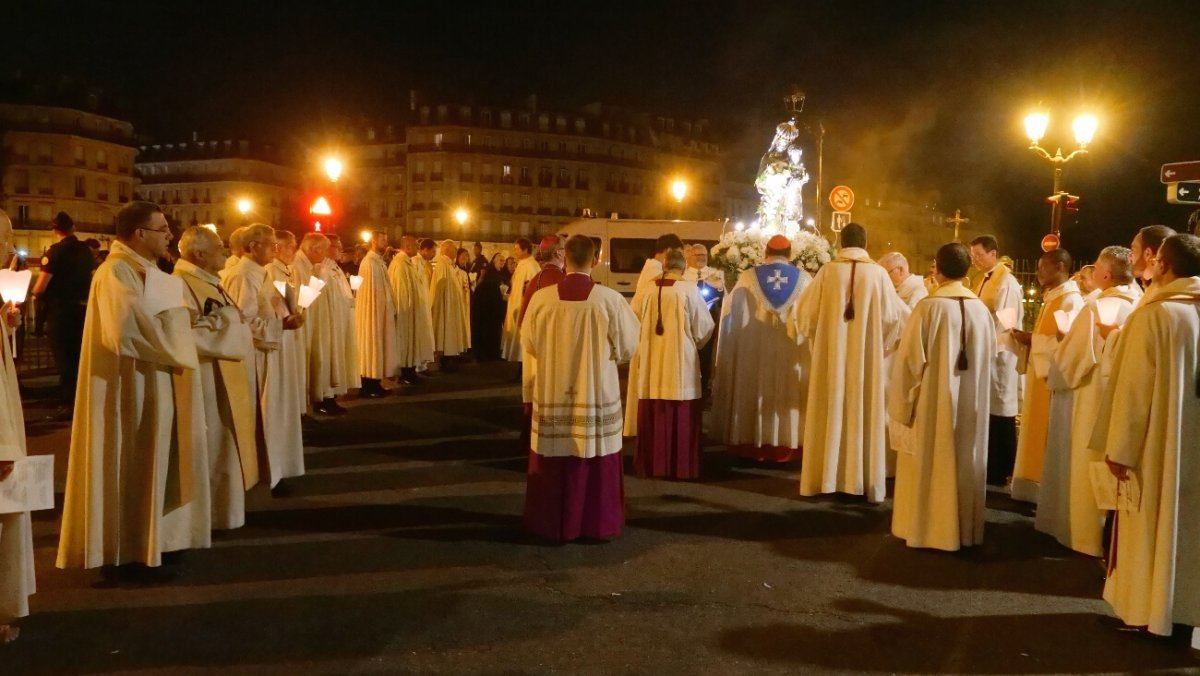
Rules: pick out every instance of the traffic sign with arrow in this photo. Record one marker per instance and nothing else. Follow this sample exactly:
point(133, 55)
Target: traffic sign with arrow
point(1183, 193)
point(1175, 172)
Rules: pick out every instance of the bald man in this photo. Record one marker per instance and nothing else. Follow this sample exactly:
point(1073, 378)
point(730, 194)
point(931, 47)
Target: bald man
point(1058, 293)
point(223, 344)
point(911, 288)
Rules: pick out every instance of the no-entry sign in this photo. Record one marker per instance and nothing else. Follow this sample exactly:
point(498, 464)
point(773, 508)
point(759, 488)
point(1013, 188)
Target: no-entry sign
point(841, 198)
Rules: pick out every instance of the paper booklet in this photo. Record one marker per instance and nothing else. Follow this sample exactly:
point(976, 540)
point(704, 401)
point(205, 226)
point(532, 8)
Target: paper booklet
point(30, 487)
point(1065, 319)
point(163, 291)
point(1113, 494)
point(1007, 316)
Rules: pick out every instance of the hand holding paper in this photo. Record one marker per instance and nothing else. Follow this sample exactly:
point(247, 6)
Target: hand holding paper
point(14, 286)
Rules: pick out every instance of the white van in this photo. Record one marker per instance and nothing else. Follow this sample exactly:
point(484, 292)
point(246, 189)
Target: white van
point(625, 244)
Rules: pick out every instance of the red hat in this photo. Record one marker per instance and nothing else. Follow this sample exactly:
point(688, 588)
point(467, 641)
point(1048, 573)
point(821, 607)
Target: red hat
point(548, 242)
point(779, 243)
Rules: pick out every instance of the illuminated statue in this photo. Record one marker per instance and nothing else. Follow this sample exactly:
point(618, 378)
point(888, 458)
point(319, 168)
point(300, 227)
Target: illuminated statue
point(780, 181)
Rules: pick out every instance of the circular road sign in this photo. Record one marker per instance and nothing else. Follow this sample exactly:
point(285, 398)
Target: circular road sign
point(841, 198)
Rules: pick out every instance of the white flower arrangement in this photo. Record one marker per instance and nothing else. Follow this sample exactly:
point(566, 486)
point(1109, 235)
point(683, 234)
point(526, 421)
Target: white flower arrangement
point(741, 250)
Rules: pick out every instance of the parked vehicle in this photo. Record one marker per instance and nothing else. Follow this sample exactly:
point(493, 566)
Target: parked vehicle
point(625, 244)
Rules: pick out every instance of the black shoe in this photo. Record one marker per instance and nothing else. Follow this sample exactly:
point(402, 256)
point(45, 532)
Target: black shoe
point(337, 408)
point(373, 393)
point(408, 381)
point(328, 407)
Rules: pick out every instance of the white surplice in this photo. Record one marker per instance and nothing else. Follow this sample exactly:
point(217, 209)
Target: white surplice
point(280, 398)
point(345, 338)
point(223, 344)
point(577, 393)
point(912, 290)
point(414, 313)
point(447, 297)
point(941, 474)
point(666, 366)
point(325, 351)
point(1155, 429)
point(845, 445)
point(1066, 502)
point(999, 289)
point(375, 320)
point(760, 379)
point(294, 347)
point(302, 271)
point(652, 269)
point(17, 580)
point(511, 340)
point(128, 438)
point(1038, 436)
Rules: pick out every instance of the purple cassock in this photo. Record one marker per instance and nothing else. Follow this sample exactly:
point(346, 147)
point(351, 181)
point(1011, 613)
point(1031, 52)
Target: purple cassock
point(567, 497)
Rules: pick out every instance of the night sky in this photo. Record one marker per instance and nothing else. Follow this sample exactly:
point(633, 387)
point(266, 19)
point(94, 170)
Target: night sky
point(922, 104)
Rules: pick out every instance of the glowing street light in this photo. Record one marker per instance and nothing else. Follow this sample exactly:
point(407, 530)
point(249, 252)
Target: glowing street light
point(679, 189)
point(1085, 127)
point(366, 236)
point(462, 215)
point(244, 206)
point(321, 207)
point(333, 168)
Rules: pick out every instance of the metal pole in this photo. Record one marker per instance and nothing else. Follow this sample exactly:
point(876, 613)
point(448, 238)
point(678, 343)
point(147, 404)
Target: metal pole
point(1056, 208)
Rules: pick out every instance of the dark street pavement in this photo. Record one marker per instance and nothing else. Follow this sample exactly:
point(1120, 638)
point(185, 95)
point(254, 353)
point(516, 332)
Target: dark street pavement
point(400, 552)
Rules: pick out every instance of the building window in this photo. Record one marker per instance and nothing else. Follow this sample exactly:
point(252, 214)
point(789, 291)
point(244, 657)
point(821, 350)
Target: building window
point(102, 190)
point(21, 150)
point(487, 199)
point(505, 228)
point(437, 224)
point(506, 199)
point(468, 140)
point(506, 119)
point(525, 228)
point(102, 159)
point(45, 153)
point(80, 186)
point(79, 159)
point(466, 172)
point(526, 144)
point(580, 125)
point(544, 122)
point(419, 224)
point(23, 214)
point(486, 226)
point(524, 199)
point(524, 118)
point(437, 139)
point(21, 182)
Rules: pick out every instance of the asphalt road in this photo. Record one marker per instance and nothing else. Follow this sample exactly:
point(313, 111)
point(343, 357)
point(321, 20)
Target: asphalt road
point(400, 552)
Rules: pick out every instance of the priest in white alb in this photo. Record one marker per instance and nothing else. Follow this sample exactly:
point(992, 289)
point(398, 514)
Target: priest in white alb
point(527, 267)
point(579, 331)
point(665, 399)
point(375, 320)
point(1154, 437)
point(223, 344)
point(552, 257)
point(17, 581)
point(652, 269)
point(760, 381)
point(448, 298)
point(1080, 364)
point(1040, 405)
point(940, 387)
point(852, 316)
point(271, 319)
point(999, 289)
point(910, 287)
point(324, 350)
point(236, 251)
point(414, 312)
point(131, 455)
point(294, 349)
point(345, 335)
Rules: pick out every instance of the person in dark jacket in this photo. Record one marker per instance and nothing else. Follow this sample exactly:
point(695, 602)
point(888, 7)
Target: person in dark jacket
point(487, 311)
point(62, 293)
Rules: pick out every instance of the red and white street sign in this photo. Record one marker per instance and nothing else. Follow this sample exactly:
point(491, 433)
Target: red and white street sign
point(1180, 171)
point(841, 198)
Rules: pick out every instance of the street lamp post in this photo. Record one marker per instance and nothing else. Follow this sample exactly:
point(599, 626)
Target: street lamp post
point(244, 207)
point(1084, 127)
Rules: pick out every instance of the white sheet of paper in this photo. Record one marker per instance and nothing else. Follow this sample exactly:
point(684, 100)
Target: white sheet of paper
point(1114, 495)
point(315, 283)
point(1007, 317)
point(1107, 309)
point(355, 282)
point(14, 285)
point(1065, 319)
point(307, 296)
point(30, 487)
point(281, 287)
point(163, 291)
